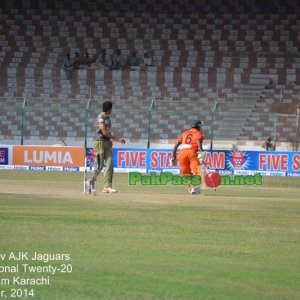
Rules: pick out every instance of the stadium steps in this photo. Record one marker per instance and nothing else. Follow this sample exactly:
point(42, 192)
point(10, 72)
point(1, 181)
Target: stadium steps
point(237, 112)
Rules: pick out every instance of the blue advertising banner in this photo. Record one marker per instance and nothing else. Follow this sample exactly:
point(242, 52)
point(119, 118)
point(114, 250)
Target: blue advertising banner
point(3, 156)
point(265, 162)
point(225, 162)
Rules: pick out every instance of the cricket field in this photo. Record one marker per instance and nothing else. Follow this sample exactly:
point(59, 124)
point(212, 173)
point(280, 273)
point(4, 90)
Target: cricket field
point(147, 242)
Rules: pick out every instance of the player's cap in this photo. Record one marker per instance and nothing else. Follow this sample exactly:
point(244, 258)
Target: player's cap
point(196, 124)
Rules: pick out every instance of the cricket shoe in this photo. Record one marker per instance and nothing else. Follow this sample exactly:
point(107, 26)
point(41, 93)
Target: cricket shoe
point(109, 190)
point(197, 190)
point(194, 190)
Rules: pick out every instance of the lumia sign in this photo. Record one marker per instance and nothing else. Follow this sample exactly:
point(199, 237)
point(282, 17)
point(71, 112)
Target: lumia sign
point(48, 156)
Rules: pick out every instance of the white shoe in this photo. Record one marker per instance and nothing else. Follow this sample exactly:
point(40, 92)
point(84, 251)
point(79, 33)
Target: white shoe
point(109, 190)
point(194, 190)
point(197, 190)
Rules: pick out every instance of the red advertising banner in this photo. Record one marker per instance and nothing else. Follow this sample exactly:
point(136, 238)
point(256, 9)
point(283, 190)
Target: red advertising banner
point(48, 156)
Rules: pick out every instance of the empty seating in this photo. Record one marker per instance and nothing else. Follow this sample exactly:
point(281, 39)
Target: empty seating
point(193, 54)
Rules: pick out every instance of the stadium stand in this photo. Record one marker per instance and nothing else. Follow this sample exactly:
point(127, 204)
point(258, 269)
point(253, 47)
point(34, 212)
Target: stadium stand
point(225, 53)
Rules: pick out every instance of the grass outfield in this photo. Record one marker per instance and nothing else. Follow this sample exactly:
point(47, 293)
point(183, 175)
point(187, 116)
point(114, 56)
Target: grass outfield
point(240, 242)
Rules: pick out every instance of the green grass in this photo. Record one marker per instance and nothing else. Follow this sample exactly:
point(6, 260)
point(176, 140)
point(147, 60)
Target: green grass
point(237, 242)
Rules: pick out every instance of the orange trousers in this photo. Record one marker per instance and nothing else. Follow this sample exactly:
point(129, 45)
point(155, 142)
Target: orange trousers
point(189, 163)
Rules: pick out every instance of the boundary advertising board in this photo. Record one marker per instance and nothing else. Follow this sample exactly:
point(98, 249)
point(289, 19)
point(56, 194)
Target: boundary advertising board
point(225, 162)
point(55, 158)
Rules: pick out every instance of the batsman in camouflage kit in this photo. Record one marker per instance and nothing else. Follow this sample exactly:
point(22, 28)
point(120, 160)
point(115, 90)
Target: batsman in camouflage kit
point(103, 148)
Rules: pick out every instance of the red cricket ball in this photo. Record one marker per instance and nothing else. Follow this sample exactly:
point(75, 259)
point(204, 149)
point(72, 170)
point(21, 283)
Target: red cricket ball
point(213, 179)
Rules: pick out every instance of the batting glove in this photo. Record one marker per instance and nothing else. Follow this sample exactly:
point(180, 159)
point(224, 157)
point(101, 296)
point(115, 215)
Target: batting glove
point(173, 162)
point(201, 156)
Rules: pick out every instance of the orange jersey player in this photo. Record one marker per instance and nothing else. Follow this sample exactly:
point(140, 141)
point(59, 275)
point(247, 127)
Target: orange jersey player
point(189, 158)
